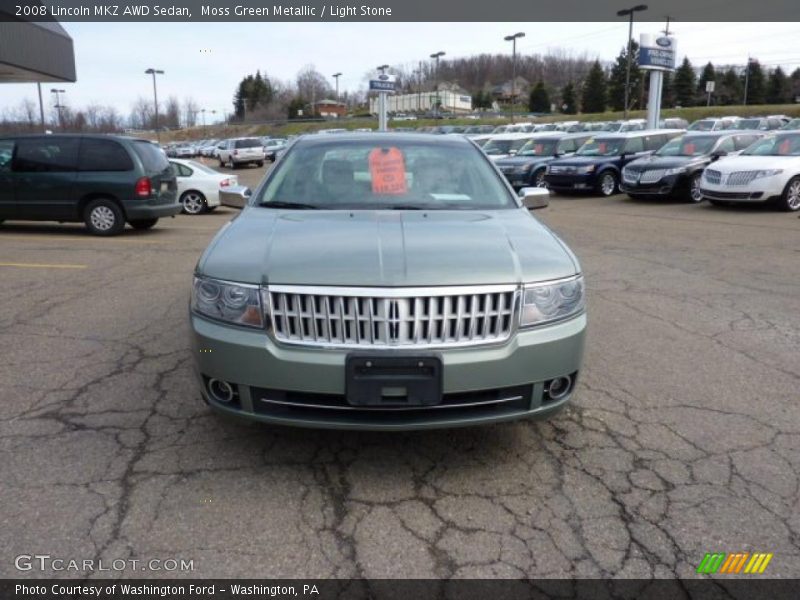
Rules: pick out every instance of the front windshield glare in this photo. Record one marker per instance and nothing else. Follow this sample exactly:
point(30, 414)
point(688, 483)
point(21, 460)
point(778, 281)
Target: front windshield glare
point(601, 147)
point(691, 146)
point(538, 148)
point(393, 175)
point(781, 145)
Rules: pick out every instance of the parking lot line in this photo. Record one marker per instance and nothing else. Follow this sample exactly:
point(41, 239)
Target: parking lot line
point(41, 266)
point(21, 237)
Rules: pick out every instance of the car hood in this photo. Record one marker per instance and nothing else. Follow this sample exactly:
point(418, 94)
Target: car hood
point(579, 161)
point(755, 163)
point(386, 248)
point(516, 161)
point(666, 162)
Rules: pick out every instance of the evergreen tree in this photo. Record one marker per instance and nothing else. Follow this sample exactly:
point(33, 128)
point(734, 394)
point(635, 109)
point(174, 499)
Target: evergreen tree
point(756, 86)
point(616, 80)
point(595, 93)
point(539, 99)
point(568, 104)
point(708, 74)
point(730, 89)
point(684, 84)
point(295, 105)
point(778, 87)
point(667, 91)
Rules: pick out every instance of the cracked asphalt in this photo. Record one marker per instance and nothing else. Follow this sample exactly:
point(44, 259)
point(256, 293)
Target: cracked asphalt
point(683, 437)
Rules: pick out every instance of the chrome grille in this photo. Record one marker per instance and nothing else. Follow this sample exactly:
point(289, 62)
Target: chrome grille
point(390, 318)
point(712, 176)
point(652, 176)
point(629, 176)
point(741, 177)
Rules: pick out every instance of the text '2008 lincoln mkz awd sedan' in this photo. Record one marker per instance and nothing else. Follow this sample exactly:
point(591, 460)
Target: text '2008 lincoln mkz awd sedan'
point(387, 281)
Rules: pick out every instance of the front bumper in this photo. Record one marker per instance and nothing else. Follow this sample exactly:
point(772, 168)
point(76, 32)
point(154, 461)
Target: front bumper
point(315, 378)
point(764, 189)
point(666, 186)
point(571, 182)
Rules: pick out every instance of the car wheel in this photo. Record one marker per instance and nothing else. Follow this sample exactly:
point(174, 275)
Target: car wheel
point(211, 208)
point(720, 202)
point(538, 179)
point(260, 163)
point(193, 202)
point(143, 223)
point(790, 201)
point(233, 165)
point(695, 195)
point(221, 164)
point(607, 185)
point(103, 217)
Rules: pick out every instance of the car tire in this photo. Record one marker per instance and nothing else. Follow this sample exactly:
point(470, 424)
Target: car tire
point(142, 224)
point(695, 196)
point(210, 208)
point(233, 165)
point(221, 164)
point(260, 163)
point(538, 179)
point(193, 202)
point(719, 202)
point(103, 217)
point(607, 184)
point(790, 199)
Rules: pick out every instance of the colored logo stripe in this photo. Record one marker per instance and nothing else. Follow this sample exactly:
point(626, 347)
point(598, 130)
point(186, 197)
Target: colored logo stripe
point(758, 563)
point(720, 562)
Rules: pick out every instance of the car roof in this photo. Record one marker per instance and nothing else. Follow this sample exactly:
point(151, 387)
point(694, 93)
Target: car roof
point(632, 134)
point(384, 137)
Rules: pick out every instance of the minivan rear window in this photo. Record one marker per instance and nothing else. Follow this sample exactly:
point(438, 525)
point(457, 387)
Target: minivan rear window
point(151, 157)
point(103, 155)
point(251, 143)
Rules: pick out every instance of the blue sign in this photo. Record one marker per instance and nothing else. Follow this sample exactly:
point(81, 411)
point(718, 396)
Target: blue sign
point(376, 85)
point(657, 53)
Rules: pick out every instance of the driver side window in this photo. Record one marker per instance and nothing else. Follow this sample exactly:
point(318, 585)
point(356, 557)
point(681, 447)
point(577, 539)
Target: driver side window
point(634, 145)
point(6, 152)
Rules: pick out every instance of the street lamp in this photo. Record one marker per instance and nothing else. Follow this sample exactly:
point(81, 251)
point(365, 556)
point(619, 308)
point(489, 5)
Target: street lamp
point(203, 111)
point(155, 72)
point(750, 61)
point(513, 40)
point(58, 106)
point(436, 56)
point(628, 12)
point(336, 77)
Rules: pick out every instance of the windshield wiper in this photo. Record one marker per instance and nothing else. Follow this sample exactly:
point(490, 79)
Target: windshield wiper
point(282, 204)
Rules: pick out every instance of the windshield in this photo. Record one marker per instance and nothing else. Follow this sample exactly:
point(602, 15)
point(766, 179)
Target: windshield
point(248, 143)
point(702, 126)
point(386, 174)
point(602, 147)
point(747, 124)
point(613, 127)
point(687, 146)
point(780, 145)
point(793, 124)
point(538, 148)
point(494, 147)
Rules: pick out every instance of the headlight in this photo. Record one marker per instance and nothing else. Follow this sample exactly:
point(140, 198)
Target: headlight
point(523, 169)
point(546, 302)
point(236, 303)
point(767, 173)
point(675, 171)
point(586, 169)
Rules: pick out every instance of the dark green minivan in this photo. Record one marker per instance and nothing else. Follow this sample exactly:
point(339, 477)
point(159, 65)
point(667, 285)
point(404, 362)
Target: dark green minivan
point(101, 180)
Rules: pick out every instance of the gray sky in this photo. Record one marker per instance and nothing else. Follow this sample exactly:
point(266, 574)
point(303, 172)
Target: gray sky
point(207, 60)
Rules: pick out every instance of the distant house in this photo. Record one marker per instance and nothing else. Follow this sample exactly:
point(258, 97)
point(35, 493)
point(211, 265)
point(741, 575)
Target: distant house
point(517, 88)
point(330, 109)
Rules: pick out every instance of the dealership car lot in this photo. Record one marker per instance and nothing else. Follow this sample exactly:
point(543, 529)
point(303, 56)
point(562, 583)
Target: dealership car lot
point(682, 437)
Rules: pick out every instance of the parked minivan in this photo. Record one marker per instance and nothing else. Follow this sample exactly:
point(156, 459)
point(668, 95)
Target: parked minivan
point(102, 180)
point(597, 164)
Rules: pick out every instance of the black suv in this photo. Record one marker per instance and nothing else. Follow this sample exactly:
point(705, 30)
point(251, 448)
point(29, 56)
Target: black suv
point(675, 169)
point(596, 166)
point(527, 166)
point(101, 180)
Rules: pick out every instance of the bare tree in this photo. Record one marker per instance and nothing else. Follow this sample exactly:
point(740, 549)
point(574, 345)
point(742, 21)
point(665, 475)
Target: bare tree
point(190, 110)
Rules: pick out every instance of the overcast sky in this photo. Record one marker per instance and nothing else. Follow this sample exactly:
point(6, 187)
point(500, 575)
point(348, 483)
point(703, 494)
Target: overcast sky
point(207, 60)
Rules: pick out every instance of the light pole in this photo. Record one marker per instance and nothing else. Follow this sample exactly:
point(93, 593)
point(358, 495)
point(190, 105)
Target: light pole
point(513, 40)
point(41, 106)
point(750, 61)
point(203, 111)
point(58, 106)
point(628, 12)
point(336, 77)
point(436, 56)
point(155, 72)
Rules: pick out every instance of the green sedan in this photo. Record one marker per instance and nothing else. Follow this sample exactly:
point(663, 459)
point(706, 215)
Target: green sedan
point(387, 282)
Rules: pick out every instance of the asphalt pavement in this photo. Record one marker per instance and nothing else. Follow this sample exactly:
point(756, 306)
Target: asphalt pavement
point(683, 437)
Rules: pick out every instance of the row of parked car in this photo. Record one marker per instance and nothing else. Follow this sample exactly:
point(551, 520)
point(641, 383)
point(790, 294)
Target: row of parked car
point(722, 166)
point(233, 151)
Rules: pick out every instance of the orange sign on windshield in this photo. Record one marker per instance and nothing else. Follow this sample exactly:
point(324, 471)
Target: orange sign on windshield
point(538, 149)
point(689, 148)
point(387, 169)
point(783, 148)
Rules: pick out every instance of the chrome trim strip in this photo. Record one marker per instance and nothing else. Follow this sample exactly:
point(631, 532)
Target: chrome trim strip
point(390, 408)
point(397, 292)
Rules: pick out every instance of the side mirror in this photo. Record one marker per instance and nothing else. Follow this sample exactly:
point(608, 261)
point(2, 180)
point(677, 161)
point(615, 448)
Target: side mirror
point(719, 154)
point(535, 197)
point(235, 196)
point(512, 152)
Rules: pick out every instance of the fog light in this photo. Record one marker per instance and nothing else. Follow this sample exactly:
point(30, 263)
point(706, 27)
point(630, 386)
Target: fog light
point(558, 388)
point(221, 391)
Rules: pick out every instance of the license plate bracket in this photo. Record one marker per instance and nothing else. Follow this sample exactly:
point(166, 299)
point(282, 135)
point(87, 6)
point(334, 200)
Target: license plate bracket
point(393, 381)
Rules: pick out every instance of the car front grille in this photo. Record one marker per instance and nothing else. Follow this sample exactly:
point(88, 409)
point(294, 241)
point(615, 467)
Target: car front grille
point(712, 176)
point(629, 176)
point(652, 176)
point(741, 177)
point(392, 317)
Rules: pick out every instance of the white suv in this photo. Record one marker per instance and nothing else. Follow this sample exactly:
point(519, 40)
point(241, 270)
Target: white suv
point(768, 170)
point(241, 151)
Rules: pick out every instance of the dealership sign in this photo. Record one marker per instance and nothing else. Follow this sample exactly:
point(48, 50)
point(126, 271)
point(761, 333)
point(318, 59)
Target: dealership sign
point(382, 83)
point(657, 53)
